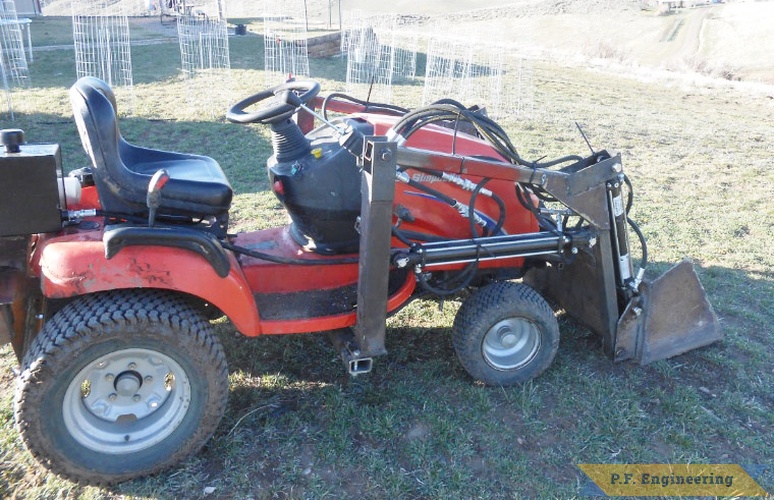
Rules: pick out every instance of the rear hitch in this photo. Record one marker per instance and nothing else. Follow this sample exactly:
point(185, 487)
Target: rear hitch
point(354, 361)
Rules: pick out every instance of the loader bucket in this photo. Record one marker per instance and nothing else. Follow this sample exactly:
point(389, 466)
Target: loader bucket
point(670, 316)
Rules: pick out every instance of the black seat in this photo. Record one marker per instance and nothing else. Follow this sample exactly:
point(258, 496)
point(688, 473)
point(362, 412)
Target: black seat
point(197, 188)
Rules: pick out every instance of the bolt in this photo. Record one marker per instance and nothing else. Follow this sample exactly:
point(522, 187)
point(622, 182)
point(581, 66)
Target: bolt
point(132, 366)
point(617, 167)
point(386, 154)
point(112, 397)
point(401, 261)
point(136, 398)
point(109, 377)
point(574, 250)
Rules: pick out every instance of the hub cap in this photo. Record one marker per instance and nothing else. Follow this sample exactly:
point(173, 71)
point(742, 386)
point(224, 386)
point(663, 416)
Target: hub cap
point(511, 344)
point(126, 401)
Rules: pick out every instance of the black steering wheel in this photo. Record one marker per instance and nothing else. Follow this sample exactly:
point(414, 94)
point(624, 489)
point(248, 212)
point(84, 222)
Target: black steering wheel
point(286, 99)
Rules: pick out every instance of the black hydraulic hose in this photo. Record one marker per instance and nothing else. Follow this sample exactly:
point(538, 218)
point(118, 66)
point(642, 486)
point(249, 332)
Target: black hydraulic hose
point(488, 129)
point(118, 216)
point(472, 203)
point(285, 260)
point(388, 109)
point(402, 237)
point(472, 209)
point(630, 196)
point(434, 192)
point(643, 243)
point(466, 276)
point(526, 202)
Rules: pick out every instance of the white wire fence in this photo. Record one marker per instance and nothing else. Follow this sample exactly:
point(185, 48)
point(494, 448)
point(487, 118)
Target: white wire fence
point(489, 75)
point(285, 41)
point(205, 61)
point(102, 42)
point(13, 61)
point(381, 51)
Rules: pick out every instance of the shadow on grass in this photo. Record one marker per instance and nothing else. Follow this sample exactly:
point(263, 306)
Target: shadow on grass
point(241, 151)
point(419, 426)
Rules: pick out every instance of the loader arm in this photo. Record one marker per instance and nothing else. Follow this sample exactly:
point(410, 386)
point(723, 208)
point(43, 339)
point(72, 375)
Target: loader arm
point(645, 321)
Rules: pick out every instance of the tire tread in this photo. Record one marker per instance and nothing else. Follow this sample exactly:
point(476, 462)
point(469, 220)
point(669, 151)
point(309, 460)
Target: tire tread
point(76, 326)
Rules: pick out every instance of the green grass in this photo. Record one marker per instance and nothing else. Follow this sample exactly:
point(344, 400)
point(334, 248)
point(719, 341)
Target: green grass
point(417, 427)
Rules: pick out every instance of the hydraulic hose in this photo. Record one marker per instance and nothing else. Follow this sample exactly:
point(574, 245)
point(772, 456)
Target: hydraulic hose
point(373, 107)
point(285, 260)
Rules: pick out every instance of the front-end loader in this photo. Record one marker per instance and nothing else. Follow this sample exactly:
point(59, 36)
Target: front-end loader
point(109, 275)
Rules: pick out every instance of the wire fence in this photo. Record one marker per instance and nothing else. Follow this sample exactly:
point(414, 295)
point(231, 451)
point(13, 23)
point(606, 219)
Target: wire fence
point(102, 42)
point(205, 61)
point(285, 41)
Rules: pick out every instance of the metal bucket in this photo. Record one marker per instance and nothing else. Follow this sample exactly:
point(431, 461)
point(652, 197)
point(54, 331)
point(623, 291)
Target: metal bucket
point(670, 316)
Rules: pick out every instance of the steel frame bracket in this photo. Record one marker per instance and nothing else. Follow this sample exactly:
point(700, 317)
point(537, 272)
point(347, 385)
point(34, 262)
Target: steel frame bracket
point(378, 191)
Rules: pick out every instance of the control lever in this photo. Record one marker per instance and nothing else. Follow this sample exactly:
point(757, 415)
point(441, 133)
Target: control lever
point(157, 182)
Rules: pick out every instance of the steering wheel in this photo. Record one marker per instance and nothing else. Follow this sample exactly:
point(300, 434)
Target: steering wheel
point(285, 100)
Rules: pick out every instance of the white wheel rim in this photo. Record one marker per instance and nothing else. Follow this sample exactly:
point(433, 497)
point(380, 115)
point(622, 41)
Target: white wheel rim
point(511, 344)
point(126, 401)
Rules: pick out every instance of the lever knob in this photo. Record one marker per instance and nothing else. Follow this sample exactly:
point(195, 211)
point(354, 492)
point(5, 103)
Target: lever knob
point(12, 139)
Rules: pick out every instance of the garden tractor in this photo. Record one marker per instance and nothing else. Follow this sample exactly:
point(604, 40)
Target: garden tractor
point(110, 275)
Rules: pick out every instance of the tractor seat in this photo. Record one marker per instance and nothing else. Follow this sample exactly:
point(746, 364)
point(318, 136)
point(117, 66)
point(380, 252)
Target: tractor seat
point(197, 187)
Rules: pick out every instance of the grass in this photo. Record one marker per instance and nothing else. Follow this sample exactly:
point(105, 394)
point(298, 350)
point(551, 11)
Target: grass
point(417, 427)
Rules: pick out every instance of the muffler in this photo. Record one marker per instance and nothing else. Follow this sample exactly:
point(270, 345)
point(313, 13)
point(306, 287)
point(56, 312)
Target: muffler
point(670, 316)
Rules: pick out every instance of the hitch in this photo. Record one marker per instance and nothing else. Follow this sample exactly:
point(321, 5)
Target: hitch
point(354, 362)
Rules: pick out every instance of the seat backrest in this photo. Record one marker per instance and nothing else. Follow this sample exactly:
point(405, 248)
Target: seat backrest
point(94, 109)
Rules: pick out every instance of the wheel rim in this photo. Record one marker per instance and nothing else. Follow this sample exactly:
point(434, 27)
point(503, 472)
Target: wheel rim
point(511, 344)
point(126, 401)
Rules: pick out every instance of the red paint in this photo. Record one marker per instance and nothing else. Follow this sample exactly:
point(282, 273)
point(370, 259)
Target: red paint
point(75, 264)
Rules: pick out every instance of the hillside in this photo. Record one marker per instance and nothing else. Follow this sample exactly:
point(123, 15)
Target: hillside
point(730, 40)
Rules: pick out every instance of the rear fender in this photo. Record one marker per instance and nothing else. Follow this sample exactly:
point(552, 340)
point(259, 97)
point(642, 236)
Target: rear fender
point(75, 265)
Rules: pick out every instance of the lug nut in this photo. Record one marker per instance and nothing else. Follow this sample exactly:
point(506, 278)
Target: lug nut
point(113, 397)
point(149, 379)
point(109, 377)
point(136, 398)
point(132, 366)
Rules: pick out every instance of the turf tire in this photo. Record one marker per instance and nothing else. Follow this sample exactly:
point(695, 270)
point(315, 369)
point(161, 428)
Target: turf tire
point(96, 327)
point(511, 311)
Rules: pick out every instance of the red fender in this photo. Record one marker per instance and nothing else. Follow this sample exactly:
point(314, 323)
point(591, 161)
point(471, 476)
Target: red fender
point(75, 264)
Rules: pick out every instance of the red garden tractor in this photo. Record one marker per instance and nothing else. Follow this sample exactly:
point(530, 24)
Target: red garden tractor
point(109, 276)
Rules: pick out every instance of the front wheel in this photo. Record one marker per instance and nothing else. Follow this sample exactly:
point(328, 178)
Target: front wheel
point(505, 334)
point(121, 385)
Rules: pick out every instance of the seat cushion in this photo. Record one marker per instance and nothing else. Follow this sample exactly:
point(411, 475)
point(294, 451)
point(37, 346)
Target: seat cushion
point(196, 184)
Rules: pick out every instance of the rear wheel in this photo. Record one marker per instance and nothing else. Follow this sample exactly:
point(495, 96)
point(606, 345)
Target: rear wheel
point(121, 385)
point(505, 334)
